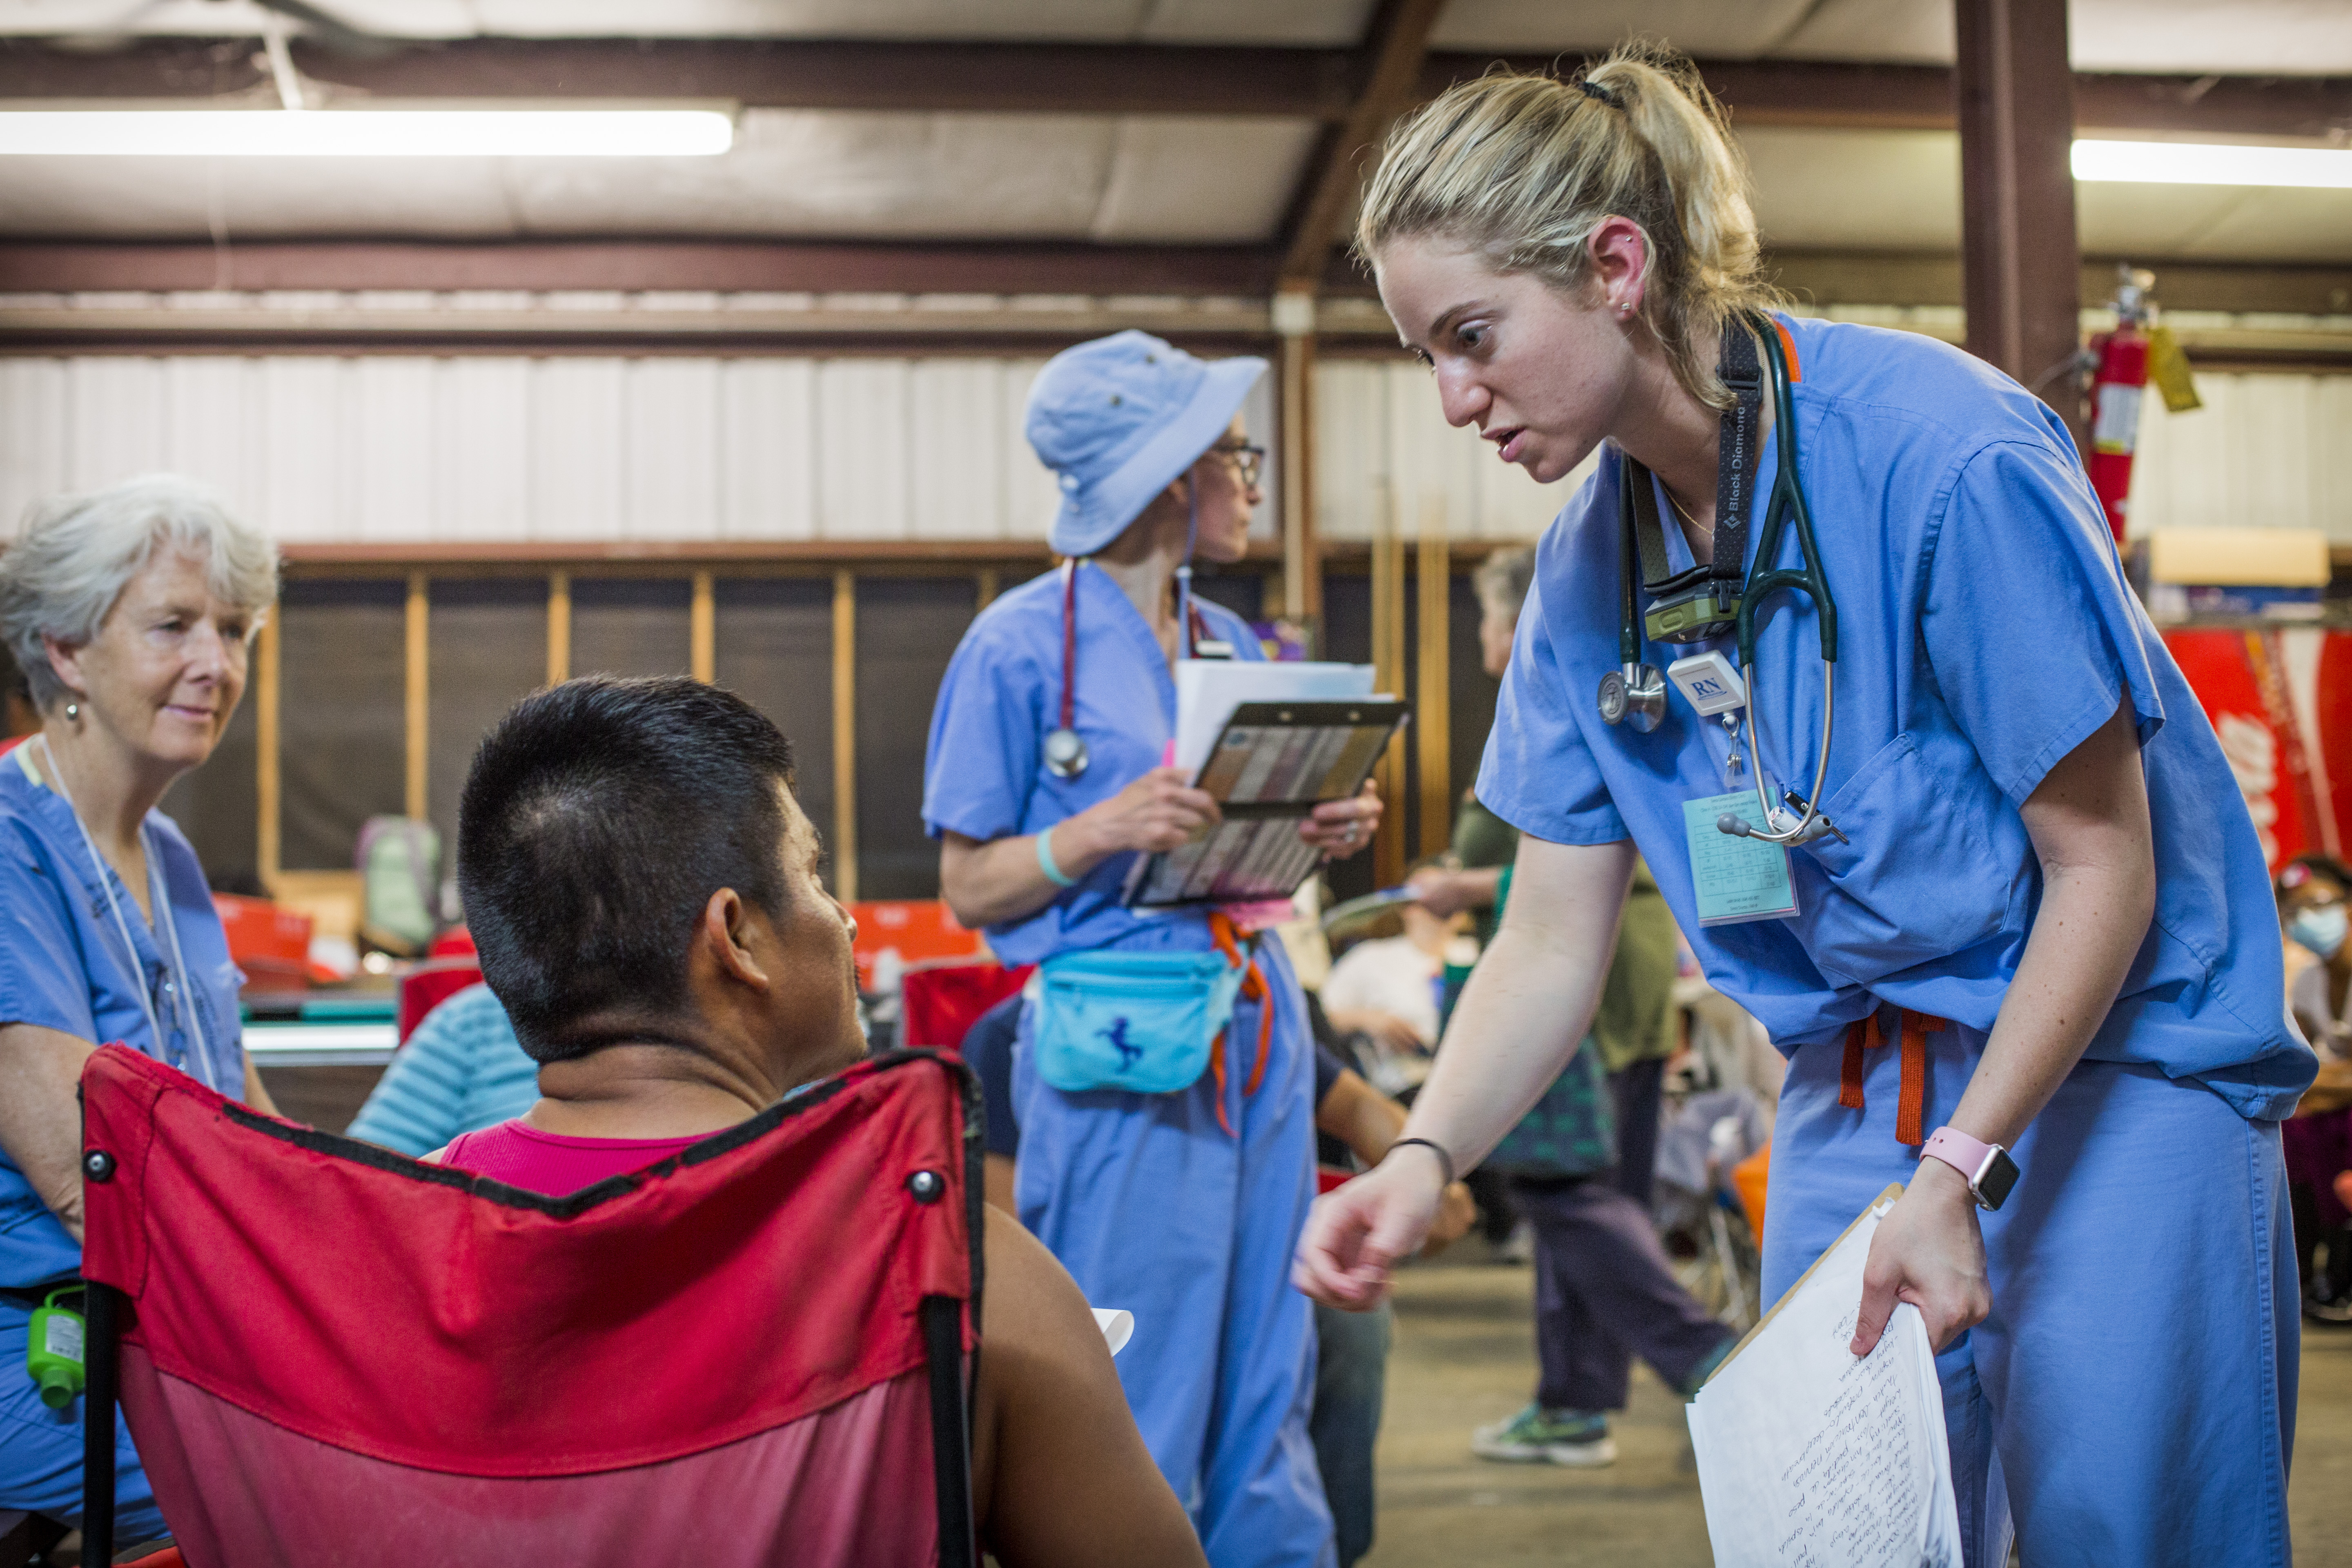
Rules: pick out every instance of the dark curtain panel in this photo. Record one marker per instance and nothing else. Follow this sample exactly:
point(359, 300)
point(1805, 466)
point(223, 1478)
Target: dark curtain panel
point(1240, 590)
point(908, 628)
point(774, 648)
point(218, 805)
point(489, 650)
point(1471, 691)
point(627, 625)
point(342, 715)
point(1346, 638)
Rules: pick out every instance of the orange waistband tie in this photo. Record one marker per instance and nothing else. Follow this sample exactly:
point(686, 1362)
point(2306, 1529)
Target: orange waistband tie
point(1911, 1031)
point(1253, 989)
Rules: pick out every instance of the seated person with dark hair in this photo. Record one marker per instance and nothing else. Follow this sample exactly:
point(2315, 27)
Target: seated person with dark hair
point(644, 889)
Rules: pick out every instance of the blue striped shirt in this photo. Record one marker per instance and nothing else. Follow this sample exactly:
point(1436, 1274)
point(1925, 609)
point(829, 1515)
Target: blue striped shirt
point(461, 1070)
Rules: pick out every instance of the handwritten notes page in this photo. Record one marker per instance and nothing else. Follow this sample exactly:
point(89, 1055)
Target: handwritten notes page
point(1810, 1458)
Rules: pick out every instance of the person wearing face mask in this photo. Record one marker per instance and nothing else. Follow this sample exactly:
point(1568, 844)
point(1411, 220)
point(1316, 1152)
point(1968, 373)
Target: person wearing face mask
point(1172, 1177)
point(129, 613)
point(2312, 889)
point(1927, 793)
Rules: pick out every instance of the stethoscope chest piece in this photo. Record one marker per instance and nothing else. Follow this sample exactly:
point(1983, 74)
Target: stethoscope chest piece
point(1065, 754)
point(1635, 695)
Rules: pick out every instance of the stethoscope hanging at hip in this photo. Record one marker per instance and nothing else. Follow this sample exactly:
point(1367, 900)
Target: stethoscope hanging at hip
point(1722, 595)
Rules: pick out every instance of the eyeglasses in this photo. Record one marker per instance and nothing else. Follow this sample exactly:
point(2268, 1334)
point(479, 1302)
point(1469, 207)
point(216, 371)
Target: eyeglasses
point(1247, 460)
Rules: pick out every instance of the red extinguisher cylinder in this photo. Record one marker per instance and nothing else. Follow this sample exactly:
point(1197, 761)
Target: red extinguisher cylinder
point(2116, 389)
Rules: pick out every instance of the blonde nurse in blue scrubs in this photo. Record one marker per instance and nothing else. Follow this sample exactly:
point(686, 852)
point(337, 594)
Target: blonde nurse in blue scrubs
point(1836, 638)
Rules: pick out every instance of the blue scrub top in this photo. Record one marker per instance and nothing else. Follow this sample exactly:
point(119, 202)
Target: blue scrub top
point(1984, 631)
point(1002, 696)
point(63, 967)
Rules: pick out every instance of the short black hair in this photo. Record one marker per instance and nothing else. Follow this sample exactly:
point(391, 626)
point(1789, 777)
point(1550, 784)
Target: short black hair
point(599, 818)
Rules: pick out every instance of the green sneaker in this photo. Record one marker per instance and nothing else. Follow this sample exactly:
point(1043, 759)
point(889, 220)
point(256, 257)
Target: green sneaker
point(1536, 1436)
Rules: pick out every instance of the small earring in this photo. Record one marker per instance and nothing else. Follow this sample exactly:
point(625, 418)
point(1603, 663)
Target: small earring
point(73, 710)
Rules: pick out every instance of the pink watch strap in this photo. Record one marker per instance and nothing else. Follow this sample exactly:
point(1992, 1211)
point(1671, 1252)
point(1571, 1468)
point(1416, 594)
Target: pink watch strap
point(1957, 1148)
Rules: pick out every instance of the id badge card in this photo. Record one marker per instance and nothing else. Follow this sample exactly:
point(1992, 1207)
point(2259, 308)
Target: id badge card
point(1736, 880)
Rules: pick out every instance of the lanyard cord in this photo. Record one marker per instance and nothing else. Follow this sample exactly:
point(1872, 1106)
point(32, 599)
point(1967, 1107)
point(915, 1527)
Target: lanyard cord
point(1736, 457)
point(157, 895)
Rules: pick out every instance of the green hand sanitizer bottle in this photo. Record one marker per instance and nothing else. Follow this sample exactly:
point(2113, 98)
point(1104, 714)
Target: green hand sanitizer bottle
point(53, 1351)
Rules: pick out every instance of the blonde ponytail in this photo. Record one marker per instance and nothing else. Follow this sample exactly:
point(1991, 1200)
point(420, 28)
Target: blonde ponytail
point(1524, 168)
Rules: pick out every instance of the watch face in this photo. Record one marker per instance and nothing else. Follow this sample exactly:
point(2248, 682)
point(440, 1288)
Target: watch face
point(1993, 1183)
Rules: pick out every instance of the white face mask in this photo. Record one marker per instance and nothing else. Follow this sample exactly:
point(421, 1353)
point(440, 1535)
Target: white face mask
point(2320, 929)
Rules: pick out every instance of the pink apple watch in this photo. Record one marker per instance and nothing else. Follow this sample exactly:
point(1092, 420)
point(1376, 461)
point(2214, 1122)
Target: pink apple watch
point(1989, 1170)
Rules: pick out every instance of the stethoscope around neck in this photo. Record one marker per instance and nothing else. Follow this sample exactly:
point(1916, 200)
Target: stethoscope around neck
point(159, 898)
point(1064, 752)
point(1705, 602)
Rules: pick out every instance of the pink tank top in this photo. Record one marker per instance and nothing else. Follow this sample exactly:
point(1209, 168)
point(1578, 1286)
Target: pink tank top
point(553, 1163)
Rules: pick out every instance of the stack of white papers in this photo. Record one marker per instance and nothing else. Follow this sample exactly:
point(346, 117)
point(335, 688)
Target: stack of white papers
point(1809, 1457)
point(1209, 689)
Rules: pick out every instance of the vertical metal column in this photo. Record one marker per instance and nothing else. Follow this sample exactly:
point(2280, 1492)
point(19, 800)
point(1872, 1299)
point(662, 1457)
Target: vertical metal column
point(419, 645)
point(1302, 552)
point(845, 735)
point(2021, 267)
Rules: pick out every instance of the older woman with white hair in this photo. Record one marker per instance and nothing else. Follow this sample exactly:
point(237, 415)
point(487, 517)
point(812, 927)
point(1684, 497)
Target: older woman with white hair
point(130, 612)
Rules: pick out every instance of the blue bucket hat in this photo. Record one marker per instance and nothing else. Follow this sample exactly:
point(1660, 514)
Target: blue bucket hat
point(1119, 419)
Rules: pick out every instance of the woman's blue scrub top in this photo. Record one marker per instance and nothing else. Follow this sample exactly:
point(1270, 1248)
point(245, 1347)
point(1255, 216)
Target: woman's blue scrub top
point(63, 967)
point(1985, 630)
point(982, 776)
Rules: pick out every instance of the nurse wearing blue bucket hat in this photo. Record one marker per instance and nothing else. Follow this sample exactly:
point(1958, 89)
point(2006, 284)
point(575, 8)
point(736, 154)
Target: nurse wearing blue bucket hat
point(1164, 1074)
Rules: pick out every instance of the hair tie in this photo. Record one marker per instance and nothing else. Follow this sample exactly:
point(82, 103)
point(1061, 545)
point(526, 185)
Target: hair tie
point(1594, 90)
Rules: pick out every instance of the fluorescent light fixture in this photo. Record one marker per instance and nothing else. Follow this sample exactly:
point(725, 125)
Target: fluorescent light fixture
point(2211, 163)
point(369, 133)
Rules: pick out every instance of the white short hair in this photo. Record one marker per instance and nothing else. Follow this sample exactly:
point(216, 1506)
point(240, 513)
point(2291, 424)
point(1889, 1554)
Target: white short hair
point(74, 554)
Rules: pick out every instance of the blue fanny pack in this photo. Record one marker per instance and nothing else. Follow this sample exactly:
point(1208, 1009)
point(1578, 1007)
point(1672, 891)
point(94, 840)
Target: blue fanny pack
point(1144, 1022)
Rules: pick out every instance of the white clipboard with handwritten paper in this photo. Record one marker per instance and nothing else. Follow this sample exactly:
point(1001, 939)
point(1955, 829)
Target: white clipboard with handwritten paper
point(1808, 1458)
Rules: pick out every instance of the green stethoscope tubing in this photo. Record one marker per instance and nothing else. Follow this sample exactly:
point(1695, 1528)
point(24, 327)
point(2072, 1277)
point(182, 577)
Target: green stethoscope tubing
point(1788, 500)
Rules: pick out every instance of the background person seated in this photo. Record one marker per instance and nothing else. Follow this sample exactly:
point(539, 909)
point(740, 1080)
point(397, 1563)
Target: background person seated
point(461, 1070)
point(644, 888)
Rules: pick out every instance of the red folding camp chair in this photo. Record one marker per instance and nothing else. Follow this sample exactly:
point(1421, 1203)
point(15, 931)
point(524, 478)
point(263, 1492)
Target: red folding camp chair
point(755, 1352)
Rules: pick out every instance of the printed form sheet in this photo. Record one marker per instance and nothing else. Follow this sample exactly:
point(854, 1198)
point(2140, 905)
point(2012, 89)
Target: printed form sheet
point(1812, 1458)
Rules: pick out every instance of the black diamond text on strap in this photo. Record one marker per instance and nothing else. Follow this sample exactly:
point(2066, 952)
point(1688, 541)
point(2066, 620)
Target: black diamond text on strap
point(1741, 421)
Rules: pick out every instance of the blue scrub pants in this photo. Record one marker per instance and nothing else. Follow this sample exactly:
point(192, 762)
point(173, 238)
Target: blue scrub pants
point(2136, 1376)
point(41, 1450)
point(1155, 1208)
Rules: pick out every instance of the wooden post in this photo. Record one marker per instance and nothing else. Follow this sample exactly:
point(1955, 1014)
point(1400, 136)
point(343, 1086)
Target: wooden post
point(2020, 265)
point(1431, 725)
point(267, 842)
point(989, 581)
point(703, 635)
point(1302, 556)
point(419, 707)
point(1389, 846)
point(558, 628)
point(845, 735)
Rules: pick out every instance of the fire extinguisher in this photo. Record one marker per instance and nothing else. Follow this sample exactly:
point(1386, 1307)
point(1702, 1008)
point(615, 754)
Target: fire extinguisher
point(2118, 381)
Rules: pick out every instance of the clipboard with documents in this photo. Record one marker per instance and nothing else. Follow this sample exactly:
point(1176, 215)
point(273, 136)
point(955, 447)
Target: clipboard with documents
point(1271, 764)
point(1810, 1457)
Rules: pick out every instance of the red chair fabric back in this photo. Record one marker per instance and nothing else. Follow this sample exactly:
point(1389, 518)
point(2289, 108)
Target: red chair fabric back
point(938, 1006)
point(754, 1352)
point(429, 984)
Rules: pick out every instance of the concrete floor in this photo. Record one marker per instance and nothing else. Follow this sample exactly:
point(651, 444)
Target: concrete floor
point(1464, 1355)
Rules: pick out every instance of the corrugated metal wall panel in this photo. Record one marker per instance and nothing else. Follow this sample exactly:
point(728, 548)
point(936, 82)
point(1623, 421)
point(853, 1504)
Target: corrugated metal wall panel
point(578, 458)
point(956, 448)
point(1029, 495)
point(298, 497)
point(768, 449)
point(863, 449)
point(114, 427)
point(405, 447)
point(32, 434)
point(2268, 450)
point(388, 491)
point(482, 449)
point(672, 430)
